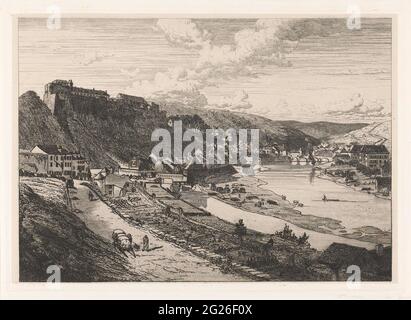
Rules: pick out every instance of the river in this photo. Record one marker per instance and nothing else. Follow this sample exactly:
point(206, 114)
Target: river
point(300, 183)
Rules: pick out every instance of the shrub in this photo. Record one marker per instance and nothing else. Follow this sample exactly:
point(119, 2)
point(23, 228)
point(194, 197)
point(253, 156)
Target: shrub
point(240, 229)
point(288, 234)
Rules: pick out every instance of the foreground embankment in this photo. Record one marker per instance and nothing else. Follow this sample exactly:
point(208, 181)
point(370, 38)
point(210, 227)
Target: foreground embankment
point(50, 234)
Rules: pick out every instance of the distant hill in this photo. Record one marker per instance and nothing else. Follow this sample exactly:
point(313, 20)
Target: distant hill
point(270, 131)
point(112, 130)
point(323, 129)
point(374, 133)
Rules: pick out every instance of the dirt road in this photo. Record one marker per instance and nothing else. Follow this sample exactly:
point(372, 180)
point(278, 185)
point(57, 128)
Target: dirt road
point(168, 263)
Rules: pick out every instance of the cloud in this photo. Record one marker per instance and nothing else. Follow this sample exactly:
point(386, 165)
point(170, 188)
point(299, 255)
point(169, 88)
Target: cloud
point(171, 87)
point(91, 57)
point(298, 29)
point(359, 71)
point(359, 108)
point(238, 102)
point(182, 33)
point(130, 72)
point(267, 43)
point(190, 97)
point(252, 46)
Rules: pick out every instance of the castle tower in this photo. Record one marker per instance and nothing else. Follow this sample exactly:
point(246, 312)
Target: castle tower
point(49, 98)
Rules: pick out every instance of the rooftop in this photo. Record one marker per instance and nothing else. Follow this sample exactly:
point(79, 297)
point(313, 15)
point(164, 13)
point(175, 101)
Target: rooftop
point(119, 181)
point(344, 254)
point(53, 149)
point(374, 149)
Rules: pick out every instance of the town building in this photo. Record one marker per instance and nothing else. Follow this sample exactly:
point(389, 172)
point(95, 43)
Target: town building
point(324, 155)
point(131, 168)
point(373, 156)
point(294, 154)
point(62, 162)
point(355, 151)
point(339, 257)
point(115, 186)
point(98, 176)
point(169, 178)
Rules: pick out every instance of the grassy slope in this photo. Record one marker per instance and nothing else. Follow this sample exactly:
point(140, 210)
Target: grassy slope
point(52, 235)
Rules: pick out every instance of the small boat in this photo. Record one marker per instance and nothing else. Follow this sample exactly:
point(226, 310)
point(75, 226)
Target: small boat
point(338, 200)
point(324, 198)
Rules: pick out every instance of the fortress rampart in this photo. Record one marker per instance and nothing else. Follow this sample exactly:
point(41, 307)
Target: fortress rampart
point(63, 94)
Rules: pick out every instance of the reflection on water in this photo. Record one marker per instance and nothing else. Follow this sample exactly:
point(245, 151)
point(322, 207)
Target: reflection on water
point(311, 175)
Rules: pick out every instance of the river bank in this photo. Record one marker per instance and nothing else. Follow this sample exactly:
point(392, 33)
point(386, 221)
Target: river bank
point(341, 181)
point(263, 197)
point(193, 248)
point(216, 239)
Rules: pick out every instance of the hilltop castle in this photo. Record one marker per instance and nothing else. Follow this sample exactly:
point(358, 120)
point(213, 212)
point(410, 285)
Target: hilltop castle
point(90, 100)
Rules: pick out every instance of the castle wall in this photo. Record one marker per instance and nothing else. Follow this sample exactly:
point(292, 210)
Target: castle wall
point(50, 100)
point(103, 127)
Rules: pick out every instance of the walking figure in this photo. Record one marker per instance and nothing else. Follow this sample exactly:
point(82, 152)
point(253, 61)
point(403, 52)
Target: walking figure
point(145, 243)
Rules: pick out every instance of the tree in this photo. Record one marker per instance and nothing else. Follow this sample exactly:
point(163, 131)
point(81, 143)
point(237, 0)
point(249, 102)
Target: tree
point(303, 240)
point(240, 229)
point(286, 233)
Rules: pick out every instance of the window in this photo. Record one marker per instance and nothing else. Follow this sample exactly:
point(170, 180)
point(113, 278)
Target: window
point(51, 158)
point(51, 164)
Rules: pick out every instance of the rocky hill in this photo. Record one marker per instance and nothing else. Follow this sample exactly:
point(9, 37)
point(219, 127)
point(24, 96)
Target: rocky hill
point(105, 131)
point(374, 133)
point(37, 125)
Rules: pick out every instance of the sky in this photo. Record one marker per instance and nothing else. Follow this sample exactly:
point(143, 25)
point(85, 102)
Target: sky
point(283, 69)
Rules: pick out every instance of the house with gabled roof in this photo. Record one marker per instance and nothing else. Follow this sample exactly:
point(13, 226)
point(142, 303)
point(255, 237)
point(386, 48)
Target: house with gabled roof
point(372, 156)
point(62, 162)
point(115, 185)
